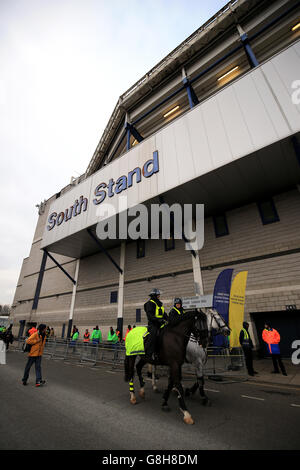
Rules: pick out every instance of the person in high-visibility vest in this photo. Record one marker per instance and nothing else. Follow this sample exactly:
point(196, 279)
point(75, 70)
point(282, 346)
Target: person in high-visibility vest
point(272, 338)
point(247, 345)
point(74, 340)
point(176, 311)
point(127, 331)
point(156, 317)
point(96, 336)
point(86, 336)
point(112, 336)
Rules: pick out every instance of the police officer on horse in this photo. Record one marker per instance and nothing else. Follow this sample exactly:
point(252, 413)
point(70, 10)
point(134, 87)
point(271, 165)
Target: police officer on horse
point(176, 311)
point(156, 317)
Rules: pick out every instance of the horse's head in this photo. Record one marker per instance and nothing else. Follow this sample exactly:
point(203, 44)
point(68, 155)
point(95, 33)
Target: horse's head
point(216, 321)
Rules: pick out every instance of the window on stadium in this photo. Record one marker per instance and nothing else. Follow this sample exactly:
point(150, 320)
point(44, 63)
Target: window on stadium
point(220, 224)
point(268, 212)
point(140, 248)
point(114, 297)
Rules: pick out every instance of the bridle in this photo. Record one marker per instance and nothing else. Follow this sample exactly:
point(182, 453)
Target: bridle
point(219, 321)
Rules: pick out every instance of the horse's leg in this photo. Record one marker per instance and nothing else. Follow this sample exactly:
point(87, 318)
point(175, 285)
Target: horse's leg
point(206, 400)
point(192, 390)
point(139, 368)
point(200, 378)
point(129, 374)
point(165, 406)
point(154, 387)
point(176, 379)
point(192, 353)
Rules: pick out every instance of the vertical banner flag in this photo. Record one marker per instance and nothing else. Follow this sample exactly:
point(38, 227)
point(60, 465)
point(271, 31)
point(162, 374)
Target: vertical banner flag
point(237, 307)
point(221, 300)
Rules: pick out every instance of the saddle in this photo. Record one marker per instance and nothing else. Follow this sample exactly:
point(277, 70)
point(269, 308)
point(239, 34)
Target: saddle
point(147, 340)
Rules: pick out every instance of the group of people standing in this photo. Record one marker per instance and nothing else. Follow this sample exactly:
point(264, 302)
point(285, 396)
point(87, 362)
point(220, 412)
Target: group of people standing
point(272, 339)
point(96, 336)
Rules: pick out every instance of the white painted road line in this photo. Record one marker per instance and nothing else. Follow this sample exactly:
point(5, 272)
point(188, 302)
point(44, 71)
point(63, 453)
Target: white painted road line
point(253, 398)
point(210, 390)
point(293, 404)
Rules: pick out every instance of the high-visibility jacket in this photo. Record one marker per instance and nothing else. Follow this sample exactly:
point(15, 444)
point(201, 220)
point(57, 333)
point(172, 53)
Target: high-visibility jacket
point(127, 331)
point(245, 340)
point(175, 313)
point(96, 334)
point(159, 311)
point(113, 338)
point(272, 338)
point(75, 336)
point(86, 337)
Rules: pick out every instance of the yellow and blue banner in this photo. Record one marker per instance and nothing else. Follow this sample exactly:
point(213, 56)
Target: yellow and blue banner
point(221, 302)
point(237, 307)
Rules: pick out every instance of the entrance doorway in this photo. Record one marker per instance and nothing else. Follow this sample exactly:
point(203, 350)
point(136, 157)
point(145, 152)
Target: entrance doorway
point(286, 322)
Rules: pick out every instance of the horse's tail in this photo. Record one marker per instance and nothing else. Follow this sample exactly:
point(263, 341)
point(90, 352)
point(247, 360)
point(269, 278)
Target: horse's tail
point(127, 375)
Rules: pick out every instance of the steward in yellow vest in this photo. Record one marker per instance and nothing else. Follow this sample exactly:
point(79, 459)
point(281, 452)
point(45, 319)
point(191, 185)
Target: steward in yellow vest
point(156, 317)
point(247, 345)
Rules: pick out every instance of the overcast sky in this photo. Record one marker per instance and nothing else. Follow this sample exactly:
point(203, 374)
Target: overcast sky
point(64, 63)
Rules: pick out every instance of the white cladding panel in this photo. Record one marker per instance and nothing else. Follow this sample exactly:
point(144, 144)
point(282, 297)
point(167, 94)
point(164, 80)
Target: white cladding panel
point(251, 113)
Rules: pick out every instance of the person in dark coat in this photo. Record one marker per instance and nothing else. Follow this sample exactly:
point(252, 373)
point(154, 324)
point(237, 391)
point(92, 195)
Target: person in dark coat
point(156, 317)
point(8, 337)
point(247, 345)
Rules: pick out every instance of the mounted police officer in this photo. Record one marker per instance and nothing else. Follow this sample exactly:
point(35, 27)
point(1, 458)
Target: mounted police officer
point(177, 311)
point(156, 317)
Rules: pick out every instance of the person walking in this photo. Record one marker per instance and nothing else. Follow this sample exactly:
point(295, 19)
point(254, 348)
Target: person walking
point(247, 346)
point(37, 342)
point(8, 337)
point(272, 338)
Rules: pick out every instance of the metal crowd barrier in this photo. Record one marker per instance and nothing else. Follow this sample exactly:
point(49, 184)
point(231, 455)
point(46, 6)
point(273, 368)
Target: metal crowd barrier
point(81, 351)
point(222, 364)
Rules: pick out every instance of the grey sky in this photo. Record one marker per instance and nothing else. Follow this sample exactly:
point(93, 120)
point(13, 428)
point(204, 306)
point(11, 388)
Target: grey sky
point(64, 63)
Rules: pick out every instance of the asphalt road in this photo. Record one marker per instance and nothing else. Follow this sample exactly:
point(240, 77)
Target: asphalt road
point(87, 408)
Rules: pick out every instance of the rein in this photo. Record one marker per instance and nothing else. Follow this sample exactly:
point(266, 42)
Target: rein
point(213, 316)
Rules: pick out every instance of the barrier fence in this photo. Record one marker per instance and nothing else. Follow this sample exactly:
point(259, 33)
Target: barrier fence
point(222, 364)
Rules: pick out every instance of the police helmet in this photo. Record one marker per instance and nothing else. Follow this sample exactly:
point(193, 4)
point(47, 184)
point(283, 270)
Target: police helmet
point(155, 291)
point(177, 300)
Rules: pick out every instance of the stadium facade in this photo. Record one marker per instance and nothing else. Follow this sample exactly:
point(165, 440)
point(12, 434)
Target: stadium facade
point(216, 122)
